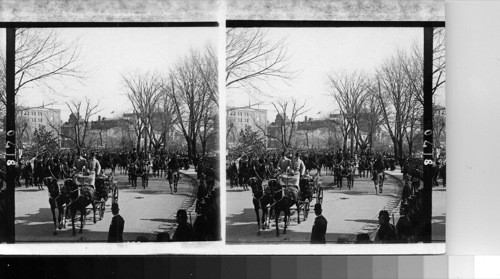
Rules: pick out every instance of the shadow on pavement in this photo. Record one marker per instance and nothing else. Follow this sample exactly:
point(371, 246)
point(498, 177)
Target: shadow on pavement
point(359, 220)
point(161, 220)
point(236, 190)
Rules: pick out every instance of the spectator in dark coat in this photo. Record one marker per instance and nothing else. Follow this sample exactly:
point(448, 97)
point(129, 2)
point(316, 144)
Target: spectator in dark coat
point(184, 231)
point(117, 224)
point(386, 232)
point(318, 234)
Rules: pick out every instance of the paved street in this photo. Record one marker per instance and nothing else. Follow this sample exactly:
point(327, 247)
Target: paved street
point(348, 212)
point(145, 211)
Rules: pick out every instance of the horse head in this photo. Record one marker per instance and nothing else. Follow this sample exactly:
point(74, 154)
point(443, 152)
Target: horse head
point(273, 186)
point(256, 186)
point(51, 184)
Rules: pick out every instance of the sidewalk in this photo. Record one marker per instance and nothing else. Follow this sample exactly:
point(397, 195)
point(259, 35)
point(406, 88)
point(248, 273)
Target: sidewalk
point(438, 208)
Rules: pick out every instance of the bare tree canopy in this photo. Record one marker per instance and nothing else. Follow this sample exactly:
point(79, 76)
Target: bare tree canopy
point(350, 92)
point(252, 58)
point(42, 58)
point(284, 128)
point(192, 99)
point(415, 65)
point(397, 99)
point(144, 93)
point(79, 123)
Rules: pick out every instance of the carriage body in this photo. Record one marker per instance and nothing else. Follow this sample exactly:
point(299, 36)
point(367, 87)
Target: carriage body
point(105, 187)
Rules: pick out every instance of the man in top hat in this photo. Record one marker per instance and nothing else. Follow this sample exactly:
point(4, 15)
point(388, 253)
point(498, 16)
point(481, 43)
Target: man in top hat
point(117, 224)
point(184, 231)
point(318, 234)
point(386, 232)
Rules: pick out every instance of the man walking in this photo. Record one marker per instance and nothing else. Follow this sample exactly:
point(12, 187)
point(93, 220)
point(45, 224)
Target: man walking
point(318, 234)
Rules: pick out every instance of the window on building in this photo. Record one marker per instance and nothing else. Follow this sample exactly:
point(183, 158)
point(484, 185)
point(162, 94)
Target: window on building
point(39, 113)
point(33, 113)
point(26, 113)
point(246, 120)
point(239, 120)
point(239, 113)
point(33, 119)
point(246, 113)
point(40, 120)
point(233, 113)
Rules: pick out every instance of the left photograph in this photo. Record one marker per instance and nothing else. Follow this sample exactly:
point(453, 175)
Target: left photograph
point(116, 135)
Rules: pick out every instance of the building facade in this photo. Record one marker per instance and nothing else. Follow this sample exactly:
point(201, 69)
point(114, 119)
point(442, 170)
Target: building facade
point(240, 119)
point(37, 118)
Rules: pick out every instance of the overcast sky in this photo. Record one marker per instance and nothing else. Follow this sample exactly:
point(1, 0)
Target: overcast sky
point(316, 52)
point(109, 52)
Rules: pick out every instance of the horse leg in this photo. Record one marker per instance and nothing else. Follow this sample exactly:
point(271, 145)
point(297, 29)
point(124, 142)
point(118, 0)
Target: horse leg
point(60, 216)
point(287, 216)
point(73, 213)
point(93, 208)
point(82, 218)
point(53, 210)
point(276, 220)
point(298, 212)
point(256, 208)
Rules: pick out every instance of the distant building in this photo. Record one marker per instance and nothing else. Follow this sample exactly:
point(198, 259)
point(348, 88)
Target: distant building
point(239, 119)
point(309, 133)
point(36, 118)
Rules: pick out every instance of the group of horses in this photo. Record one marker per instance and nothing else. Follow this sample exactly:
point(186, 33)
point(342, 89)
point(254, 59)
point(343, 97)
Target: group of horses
point(69, 198)
point(272, 199)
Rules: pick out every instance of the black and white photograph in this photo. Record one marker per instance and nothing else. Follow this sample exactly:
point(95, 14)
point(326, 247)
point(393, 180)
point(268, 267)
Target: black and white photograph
point(116, 134)
point(335, 135)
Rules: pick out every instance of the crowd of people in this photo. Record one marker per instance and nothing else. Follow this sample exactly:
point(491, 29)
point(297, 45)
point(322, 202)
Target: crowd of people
point(241, 167)
point(34, 168)
point(410, 226)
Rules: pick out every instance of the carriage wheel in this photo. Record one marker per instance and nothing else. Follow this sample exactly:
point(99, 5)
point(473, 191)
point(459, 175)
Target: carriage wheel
point(319, 198)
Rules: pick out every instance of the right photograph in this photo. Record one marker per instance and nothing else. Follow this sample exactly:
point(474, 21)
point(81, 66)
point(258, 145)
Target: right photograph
point(335, 135)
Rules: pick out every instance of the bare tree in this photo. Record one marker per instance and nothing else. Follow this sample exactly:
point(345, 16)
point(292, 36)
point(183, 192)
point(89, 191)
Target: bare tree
point(78, 127)
point(191, 98)
point(350, 93)
point(252, 58)
point(285, 125)
point(396, 98)
point(371, 119)
point(415, 65)
point(144, 93)
point(41, 59)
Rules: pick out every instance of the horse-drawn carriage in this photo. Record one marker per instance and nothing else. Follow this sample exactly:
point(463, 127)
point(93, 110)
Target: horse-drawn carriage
point(105, 188)
point(77, 194)
point(309, 189)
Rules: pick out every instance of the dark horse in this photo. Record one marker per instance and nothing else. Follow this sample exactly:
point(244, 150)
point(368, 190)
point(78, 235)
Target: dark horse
point(284, 198)
point(58, 198)
point(261, 199)
point(80, 198)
